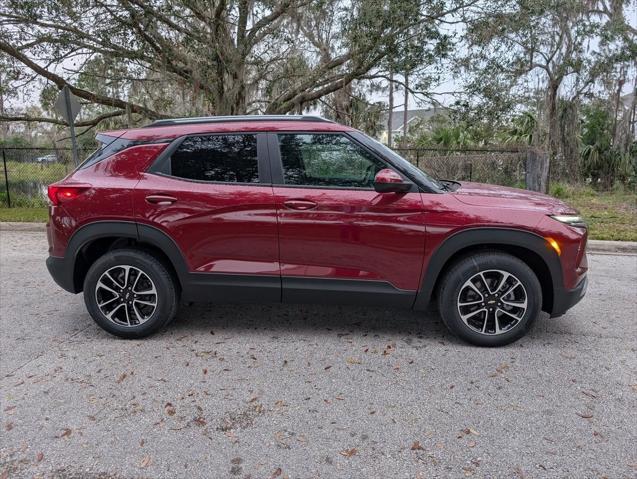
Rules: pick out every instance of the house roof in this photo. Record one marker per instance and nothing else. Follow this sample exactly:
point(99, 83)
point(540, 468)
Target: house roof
point(418, 113)
point(627, 100)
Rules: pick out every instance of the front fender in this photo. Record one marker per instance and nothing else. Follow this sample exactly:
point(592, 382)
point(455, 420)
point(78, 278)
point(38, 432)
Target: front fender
point(503, 238)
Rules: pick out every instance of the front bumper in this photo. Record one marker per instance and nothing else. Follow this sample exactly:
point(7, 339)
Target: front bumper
point(566, 299)
point(61, 272)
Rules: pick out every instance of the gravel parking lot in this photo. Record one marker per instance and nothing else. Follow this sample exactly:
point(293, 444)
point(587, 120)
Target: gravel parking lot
point(312, 391)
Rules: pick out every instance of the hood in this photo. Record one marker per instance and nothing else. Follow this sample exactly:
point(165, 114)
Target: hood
point(494, 196)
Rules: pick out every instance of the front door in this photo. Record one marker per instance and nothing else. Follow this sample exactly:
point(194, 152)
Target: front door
point(211, 194)
point(339, 239)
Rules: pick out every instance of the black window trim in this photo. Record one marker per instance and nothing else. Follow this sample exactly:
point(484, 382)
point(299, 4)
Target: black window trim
point(276, 164)
point(162, 163)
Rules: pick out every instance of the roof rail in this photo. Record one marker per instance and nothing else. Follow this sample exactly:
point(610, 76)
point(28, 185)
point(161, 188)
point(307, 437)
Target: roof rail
point(224, 119)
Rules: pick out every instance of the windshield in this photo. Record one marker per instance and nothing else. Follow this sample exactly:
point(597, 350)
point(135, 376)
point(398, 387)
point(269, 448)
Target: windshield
point(409, 168)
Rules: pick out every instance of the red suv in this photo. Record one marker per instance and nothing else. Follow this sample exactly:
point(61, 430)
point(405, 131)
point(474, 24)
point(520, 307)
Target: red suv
point(301, 209)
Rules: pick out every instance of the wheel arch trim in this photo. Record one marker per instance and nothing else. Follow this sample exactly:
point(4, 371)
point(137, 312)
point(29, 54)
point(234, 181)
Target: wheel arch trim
point(476, 237)
point(120, 229)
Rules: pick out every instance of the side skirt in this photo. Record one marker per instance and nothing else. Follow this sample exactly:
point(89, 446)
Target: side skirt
point(231, 288)
point(345, 291)
point(228, 288)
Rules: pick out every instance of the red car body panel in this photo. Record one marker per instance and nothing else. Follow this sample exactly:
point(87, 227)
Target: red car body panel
point(352, 234)
point(219, 228)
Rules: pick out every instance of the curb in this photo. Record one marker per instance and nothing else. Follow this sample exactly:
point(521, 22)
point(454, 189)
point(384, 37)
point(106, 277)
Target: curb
point(25, 226)
point(611, 247)
point(593, 247)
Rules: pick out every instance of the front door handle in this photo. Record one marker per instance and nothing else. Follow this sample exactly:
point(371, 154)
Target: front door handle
point(160, 199)
point(301, 205)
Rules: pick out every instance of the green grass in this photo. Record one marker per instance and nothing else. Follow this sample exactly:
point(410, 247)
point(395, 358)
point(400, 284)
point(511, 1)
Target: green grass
point(39, 215)
point(611, 215)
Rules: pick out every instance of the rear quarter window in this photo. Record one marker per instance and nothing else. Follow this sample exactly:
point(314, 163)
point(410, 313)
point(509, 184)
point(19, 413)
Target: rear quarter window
point(109, 145)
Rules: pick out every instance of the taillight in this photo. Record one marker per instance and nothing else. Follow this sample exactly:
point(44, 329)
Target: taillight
point(61, 193)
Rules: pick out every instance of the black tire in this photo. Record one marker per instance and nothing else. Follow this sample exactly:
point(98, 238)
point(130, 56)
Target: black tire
point(494, 263)
point(166, 297)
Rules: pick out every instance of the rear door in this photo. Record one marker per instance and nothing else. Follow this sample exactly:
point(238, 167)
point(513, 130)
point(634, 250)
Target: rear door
point(339, 239)
point(212, 195)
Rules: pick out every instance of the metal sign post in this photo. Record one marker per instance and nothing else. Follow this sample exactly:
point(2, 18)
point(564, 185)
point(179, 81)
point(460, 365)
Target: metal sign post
point(68, 107)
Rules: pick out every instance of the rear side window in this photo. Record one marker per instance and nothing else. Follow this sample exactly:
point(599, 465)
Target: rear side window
point(220, 158)
point(109, 145)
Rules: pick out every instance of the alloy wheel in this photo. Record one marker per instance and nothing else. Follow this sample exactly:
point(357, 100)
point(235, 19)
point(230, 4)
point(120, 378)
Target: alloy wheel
point(492, 302)
point(126, 295)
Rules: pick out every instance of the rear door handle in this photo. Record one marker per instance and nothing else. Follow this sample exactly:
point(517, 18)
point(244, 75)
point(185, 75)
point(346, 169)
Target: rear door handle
point(160, 199)
point(301, 205)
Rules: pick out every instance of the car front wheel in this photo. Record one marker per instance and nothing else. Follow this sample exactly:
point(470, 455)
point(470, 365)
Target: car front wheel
point(130, 293)
point(490, 299)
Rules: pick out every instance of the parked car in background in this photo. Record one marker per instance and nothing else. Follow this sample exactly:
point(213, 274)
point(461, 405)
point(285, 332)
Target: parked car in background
point(301, 209)
point(46, 159)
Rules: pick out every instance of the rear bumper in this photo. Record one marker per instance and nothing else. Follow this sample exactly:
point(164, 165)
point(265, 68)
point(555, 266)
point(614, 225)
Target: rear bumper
point(566, 299)
point(61, 272)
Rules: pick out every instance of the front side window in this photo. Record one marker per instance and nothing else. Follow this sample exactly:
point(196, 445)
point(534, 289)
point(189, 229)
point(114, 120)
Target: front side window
point(326, 160)
point(221, 158)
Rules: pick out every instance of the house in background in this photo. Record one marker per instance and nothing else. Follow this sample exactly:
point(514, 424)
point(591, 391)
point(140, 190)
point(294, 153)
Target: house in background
point(414, 117)
point(629, 116)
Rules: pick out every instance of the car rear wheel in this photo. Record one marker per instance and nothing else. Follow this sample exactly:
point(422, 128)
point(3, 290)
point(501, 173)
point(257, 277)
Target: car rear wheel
point(130, 294)
point(490, 299)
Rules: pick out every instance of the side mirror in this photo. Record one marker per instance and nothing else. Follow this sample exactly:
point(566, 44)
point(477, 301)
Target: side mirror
point(388, 181)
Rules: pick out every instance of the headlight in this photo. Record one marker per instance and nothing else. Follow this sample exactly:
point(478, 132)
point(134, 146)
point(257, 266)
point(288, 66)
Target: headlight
point(571, 220)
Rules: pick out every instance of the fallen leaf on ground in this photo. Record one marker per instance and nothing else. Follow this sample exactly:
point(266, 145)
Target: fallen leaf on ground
point(416, 446)
point(39, 456)
point(349, 452)
point(200, 421)
point(280, 437)
point(8, 426)
point(170, 409)
point(585, 415)
point(121, 378)
point(277, 472)
point(502, 368)
point(353, 361)
point(66, 433)
point(467, 431)
point(145, 462)
point(232, 436)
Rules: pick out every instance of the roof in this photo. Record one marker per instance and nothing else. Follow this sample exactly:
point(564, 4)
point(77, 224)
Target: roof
point(627, 100)
point(174, 128)
point(234, 118)
point(418, 113)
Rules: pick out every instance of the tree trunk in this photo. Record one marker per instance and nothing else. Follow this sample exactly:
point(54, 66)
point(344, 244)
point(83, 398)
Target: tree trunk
point(4, 126)
point(553, 132)
point(406, 110)
point(537, 169)
point(618, 93)
point(391, 109)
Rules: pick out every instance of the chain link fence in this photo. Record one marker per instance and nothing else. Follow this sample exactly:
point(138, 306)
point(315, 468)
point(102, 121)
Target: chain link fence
point(498, 166)
point(28, 171)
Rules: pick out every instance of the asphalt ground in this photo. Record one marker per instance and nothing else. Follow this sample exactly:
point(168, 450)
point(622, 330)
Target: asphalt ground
point(312, 391)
